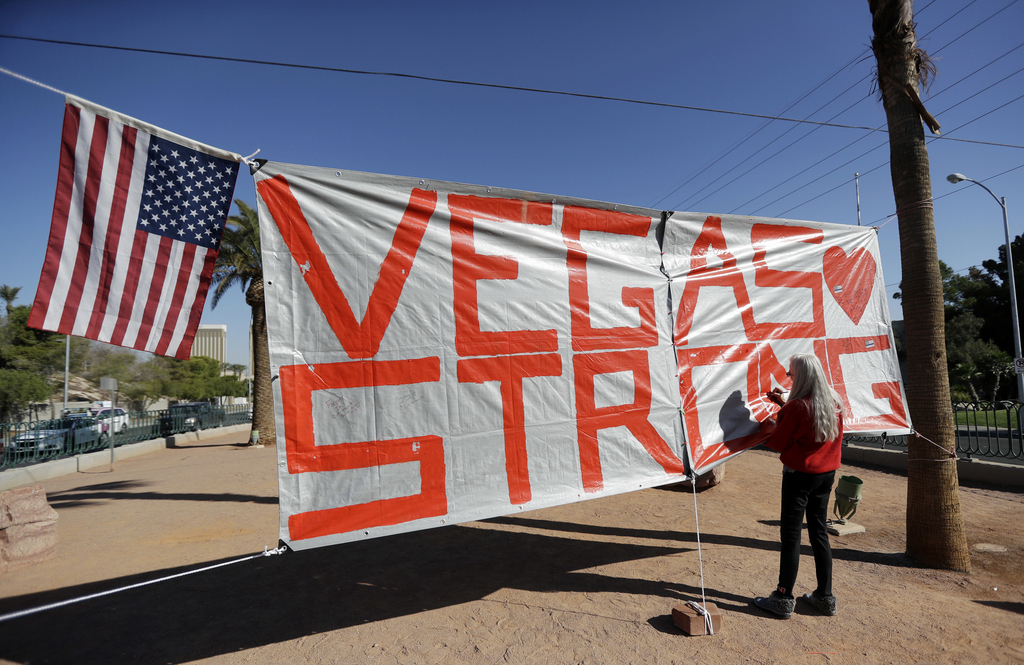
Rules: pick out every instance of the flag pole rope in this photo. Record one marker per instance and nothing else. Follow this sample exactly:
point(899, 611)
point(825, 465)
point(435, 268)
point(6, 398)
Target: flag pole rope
point(53, 606)
point(32, 81)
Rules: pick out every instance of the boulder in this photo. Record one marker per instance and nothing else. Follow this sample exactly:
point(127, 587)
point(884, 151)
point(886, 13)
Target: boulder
point(28, 528)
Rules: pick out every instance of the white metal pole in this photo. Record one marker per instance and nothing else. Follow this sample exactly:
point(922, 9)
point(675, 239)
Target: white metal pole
point(856, 179)
point(67, 364)
point(1013, 298)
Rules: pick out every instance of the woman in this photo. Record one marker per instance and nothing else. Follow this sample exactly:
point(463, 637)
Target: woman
point(809, 434)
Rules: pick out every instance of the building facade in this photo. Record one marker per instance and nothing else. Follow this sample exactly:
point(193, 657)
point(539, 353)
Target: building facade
point(211, 341)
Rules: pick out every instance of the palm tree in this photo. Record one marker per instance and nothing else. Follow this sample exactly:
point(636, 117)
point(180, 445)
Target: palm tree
point(240, 262)
point(9, 294)
point(935, 525)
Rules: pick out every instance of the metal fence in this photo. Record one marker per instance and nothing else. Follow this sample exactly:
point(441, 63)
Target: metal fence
point(983, 429)
point(28, 443)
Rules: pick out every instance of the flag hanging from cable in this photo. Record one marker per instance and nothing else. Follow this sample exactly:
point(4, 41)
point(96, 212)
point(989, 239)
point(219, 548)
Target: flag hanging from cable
point(136, 228)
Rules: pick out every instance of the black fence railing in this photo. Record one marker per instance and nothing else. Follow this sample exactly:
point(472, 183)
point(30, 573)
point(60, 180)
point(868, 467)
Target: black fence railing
point(28, 443)
point(983, 429)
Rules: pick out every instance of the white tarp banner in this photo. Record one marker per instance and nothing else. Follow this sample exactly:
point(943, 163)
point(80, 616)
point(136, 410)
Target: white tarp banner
point(748, 293)
point(449, 352)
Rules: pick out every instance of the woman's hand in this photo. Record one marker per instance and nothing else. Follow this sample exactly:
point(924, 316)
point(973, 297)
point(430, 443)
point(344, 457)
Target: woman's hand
point(776, 396)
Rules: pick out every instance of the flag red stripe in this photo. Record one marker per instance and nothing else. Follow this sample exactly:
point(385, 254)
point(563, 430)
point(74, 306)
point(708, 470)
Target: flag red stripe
point(131, 283)
point(185, 348)
point(153, 298)
point(59, 221)
point(94, 173)
point(188, 256)
point(126, 161)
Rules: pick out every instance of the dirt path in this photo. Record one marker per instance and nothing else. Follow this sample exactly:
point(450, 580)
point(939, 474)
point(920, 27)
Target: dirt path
point(592, 582)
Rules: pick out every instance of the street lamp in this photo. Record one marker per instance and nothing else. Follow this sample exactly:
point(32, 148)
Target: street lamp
point(955, 178)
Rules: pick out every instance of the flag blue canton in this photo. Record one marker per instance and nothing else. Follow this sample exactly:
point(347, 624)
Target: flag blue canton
point(187, 193)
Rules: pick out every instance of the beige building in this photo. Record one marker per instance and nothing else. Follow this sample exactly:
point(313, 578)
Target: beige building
point(211, 341)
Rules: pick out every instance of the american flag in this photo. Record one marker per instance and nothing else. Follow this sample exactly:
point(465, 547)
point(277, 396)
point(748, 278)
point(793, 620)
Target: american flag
point(137, 222)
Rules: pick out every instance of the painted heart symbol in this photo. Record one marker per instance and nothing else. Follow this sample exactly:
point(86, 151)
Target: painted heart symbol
point(850, 279)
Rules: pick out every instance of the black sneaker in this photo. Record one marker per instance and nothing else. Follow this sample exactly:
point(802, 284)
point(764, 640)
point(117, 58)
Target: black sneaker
point(777, 604)
point(824, 604)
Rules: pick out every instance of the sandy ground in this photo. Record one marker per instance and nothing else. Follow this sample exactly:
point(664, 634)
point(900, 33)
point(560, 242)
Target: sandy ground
point(592, 582)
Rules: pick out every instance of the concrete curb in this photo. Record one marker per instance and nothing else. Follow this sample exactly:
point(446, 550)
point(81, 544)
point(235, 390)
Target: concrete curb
point(974, 469)
point(29, 475)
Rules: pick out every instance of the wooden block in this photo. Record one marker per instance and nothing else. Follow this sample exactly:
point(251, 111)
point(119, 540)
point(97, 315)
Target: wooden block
point(691, 622)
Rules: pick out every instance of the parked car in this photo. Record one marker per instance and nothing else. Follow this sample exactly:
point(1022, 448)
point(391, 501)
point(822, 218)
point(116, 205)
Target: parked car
point(190, 417)
point(120, 418)
point(58, 436)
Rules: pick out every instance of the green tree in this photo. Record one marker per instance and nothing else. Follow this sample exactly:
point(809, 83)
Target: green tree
point(240, 262)
point(34, 351)
point(18, 389)
point(969, 358)
point(9, 294)
point(994, 305)
point(145, 384)
point(935, 525)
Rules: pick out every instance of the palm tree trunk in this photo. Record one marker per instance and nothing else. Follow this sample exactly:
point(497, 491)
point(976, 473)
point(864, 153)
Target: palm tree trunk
point(935, 526)
point(262, 387)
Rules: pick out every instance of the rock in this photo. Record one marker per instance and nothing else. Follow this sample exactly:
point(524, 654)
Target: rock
point(706, 480)
point(28, 528)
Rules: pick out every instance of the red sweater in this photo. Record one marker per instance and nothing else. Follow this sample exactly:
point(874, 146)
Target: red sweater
point(794, 438)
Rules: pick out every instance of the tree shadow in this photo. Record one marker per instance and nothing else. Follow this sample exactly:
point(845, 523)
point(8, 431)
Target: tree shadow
point(90, 494)
point(898, 559)
point(1016, 608)
point(281, 598)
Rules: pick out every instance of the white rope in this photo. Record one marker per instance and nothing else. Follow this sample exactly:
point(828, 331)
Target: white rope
point(248, 160)
point(702, 611)
point(52, 606)
point(951, 454)
point(32, 81)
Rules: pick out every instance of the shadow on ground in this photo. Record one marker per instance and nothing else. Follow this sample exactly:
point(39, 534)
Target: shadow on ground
point(839, 552)
point(279, 598)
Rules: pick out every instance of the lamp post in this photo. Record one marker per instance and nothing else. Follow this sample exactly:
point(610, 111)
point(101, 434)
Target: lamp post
point(955, 178)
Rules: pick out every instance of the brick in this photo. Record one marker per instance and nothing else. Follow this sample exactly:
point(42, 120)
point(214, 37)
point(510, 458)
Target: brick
point(690, 622)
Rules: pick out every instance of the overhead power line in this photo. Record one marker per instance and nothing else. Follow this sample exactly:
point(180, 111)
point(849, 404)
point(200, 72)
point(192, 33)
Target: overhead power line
point(932, 97)
point(478, 84)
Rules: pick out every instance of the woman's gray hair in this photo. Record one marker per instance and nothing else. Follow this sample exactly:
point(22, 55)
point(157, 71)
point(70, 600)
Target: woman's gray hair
point(809, 380)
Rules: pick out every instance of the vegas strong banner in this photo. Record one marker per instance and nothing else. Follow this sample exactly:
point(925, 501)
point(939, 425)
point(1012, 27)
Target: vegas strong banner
point(446, 352)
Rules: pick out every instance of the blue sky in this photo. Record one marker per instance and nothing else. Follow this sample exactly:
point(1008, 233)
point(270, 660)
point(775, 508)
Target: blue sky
point(797, 60)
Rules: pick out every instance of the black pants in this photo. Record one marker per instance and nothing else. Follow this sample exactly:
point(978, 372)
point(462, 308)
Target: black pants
point(805, 493)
